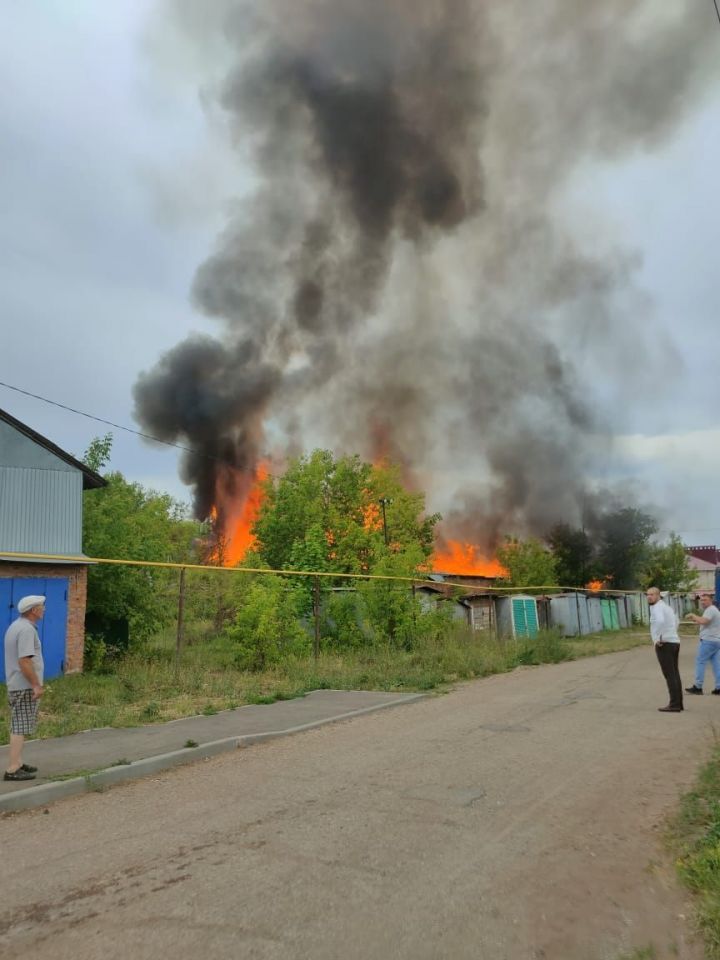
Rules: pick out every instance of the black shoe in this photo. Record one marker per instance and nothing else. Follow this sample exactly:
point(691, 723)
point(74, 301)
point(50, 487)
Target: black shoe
point(698, 690)
point(670, 709)
point(27, 768)
point(19, 774)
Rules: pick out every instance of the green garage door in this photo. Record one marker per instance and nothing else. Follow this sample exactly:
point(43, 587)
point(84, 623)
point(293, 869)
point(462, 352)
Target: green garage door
point(607, 606)
point(525, 621)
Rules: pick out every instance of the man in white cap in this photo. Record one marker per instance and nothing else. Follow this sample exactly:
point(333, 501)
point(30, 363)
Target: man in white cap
point(24, 676)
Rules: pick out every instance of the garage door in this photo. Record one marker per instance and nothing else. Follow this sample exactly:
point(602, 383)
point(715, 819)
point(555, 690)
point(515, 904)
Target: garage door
point(52, 628)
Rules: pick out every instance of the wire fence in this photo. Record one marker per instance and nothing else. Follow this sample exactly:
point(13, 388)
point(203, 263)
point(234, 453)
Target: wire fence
point(267, 613)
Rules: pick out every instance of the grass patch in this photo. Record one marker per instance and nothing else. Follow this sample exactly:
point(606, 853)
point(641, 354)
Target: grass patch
point(146, 687)
point(596, 644)
point(256, 698)
point(86, 772)
point(642, 953)
point(74, 775)
point(694, 835)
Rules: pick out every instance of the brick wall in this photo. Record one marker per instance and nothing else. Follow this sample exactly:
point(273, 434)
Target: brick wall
point(77, 596)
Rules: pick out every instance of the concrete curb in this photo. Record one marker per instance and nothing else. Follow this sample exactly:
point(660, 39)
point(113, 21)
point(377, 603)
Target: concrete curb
point(45, 793)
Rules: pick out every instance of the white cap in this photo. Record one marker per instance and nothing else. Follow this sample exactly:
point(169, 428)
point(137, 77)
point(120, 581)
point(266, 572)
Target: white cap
point(27, 603)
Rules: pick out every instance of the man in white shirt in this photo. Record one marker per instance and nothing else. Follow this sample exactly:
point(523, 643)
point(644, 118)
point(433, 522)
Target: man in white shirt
point(664, 635)
point(24, 676)
point(709, 649)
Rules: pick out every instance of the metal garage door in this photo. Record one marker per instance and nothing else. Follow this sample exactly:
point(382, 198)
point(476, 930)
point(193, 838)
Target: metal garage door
point(52, 628)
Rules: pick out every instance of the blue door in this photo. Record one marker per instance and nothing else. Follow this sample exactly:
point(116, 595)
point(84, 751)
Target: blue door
point(6, 614)
point(52, 628)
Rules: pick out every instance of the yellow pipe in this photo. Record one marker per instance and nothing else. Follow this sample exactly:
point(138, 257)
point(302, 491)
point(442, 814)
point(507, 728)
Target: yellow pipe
point(287, 573)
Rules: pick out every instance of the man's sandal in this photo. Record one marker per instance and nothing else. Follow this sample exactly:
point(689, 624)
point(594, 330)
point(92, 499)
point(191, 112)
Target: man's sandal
point(19, 774)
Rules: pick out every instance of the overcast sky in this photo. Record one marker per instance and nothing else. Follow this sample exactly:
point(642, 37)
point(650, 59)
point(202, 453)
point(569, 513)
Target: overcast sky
point(106, 210)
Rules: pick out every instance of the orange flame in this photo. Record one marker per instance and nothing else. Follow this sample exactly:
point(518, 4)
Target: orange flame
point(595, 586)
point(372, 518)
point(235, 537)
point(465, 558)
point(381, 445)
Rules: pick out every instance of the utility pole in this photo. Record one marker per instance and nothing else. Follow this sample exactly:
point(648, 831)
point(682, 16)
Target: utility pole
point(383, 503)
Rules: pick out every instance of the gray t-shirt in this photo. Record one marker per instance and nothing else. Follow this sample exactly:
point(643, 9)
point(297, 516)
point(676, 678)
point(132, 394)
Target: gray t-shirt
point(710, 631)
point(22, 640)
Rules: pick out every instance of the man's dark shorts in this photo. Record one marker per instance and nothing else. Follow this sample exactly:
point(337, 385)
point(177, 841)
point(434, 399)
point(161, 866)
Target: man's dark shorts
point(23, 712)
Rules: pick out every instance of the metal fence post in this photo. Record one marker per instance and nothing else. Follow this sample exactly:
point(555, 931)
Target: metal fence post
point(316, 615)
point(180, 619)
point(577, 608)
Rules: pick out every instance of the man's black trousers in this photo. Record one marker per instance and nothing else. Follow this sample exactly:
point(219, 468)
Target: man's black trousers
point(667, 654)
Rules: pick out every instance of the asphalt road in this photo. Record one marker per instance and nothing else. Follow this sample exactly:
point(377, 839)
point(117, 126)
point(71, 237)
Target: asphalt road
point(516, 817)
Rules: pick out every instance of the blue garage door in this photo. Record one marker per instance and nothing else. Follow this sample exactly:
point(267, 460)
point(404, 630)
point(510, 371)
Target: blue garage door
point(52, 628)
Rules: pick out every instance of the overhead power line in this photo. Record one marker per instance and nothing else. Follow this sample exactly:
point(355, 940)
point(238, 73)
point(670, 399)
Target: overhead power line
point(118, 426)
point(717, 9)
point(180, 446)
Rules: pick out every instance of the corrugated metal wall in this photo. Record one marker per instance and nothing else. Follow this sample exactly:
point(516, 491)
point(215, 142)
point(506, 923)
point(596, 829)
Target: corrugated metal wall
point(40, 510)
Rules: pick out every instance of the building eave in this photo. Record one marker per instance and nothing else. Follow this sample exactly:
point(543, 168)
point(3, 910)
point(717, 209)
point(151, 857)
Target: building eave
point(91, 479)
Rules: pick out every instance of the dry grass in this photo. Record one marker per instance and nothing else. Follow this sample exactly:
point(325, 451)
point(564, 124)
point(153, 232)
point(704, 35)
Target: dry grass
point(146, 688)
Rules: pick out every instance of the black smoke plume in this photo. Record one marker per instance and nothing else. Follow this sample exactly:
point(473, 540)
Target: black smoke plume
point(402, 266)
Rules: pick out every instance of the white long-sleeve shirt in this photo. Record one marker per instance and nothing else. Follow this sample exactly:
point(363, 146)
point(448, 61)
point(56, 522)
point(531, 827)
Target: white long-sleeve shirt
point(663, 623)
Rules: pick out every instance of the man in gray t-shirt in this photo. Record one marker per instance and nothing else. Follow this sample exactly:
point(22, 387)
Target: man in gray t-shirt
point(24, 670)
point(709, 649)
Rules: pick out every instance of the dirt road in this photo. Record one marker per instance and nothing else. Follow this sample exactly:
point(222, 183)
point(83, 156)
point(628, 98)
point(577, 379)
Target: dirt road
point(516, 817)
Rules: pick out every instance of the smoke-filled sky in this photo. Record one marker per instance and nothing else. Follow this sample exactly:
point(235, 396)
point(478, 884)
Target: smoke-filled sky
point(482, 239)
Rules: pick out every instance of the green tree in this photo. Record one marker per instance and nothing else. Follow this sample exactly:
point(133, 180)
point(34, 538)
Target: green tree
point(574, 555)
point(624, 546)
point(667, 567)
point(528, 563)
point(324, 514)
point(388, 605)
point(98, 453)
point(126, 521)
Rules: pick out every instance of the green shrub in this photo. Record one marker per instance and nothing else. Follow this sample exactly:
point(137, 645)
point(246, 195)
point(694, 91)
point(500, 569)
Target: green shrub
point(151, 711)
point(547, 646)
point(393, 614)
point(267, 628)
point(694, 832)
point(342, 621)
point(95, 653)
